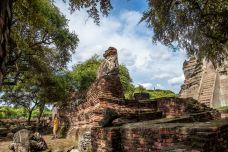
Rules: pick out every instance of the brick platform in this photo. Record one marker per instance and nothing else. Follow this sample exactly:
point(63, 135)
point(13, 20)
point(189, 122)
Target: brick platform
point(150, 136)
point(137, 125)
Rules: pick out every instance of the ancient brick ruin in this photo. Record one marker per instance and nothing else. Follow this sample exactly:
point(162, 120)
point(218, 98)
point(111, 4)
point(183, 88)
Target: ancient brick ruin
point(105, 122)
point(205, 83)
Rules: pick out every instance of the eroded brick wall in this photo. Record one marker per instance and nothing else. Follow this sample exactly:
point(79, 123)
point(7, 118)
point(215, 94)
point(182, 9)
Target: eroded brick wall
point(89, 113)
point(149, 139)
point(175, 107)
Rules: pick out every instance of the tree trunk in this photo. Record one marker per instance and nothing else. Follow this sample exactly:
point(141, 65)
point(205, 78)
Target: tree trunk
point(5, 22)
point(29, 116)
point(41, 110)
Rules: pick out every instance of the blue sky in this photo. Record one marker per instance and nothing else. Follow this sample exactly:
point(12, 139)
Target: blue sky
point(153, 66)
point(131, 5)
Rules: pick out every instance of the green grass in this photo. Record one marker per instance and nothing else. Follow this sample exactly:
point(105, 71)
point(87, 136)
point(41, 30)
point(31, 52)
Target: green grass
point(223, 109)
point(156, 94)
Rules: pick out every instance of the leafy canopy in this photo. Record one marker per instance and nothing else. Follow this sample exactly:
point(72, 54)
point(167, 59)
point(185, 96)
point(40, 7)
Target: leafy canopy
point(41, 46)
point(40, 40)
point(93, 7)
point(198, 26)
point(84, 74)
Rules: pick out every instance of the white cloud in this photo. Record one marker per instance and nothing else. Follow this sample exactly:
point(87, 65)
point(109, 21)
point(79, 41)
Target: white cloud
point(159, 86)
point(147, 63)
point(146, 85)
point(176, 80)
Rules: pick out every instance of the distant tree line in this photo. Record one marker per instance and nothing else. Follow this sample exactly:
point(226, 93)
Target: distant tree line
point(9, 112)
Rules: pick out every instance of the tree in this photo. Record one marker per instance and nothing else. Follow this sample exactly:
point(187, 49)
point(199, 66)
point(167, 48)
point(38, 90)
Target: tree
point(40, 40)
point(126, 82)
point(198, 26)
point(40, 46)
point(5, 22)
point(33, 13)
point(140, 89)
point(94, 7)
point(24, 95)
point(53, 88)
point(37, 91)
point(84, 74)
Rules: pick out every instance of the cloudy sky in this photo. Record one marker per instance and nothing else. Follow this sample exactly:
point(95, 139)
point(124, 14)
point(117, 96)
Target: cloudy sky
point(153, 66)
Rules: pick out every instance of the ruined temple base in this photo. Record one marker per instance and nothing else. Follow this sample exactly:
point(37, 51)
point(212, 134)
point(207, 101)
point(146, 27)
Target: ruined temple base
point(162, 135)
point(167, 124)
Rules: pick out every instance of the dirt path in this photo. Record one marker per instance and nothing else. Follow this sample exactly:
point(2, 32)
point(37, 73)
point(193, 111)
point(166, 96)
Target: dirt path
point(4, 146)
point(57, 145)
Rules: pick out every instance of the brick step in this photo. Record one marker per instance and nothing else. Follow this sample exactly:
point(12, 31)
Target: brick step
point(201, 140)
point(195, 138)
point(206, 93)
point(206, 133)
point(205, 86)
point(137, 117)
point(199, 145)
point(207, 83)
point(206, 102)
point(198, 139)
point(202, 95)
point(196, 117)
point(205, 98)
point(208, 80)
point(207, 90)
point(209, 77)
point(178, 147)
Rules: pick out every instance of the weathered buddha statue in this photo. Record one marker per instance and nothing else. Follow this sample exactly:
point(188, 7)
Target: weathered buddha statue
point(110, 64)
point(107, 82)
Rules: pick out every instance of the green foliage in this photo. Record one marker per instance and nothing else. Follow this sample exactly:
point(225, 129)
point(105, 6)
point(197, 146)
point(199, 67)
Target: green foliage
point(129, 93)
point(19, 112)
point(140, 89)
point(55, 88)
point(32, 94)
point(155, 94)
point(47, 113)
point(125, 78)
point(41, 46)
point(223, 109)
point(84, 74)
point(41, 42)
point(93, 7)
point(199, 26)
